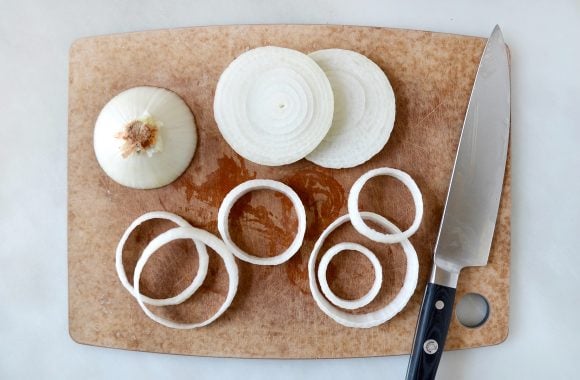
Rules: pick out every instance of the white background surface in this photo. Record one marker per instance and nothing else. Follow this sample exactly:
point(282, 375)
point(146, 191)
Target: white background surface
point(35, 36)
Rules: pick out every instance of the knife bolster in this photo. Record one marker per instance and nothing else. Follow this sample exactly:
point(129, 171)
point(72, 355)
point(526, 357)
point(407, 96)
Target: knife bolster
point(444, 277)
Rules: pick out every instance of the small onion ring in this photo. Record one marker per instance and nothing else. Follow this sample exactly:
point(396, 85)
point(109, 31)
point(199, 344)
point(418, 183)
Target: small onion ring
point(195, 234)
point(201, 251)
point(382, 315)
point(259, 184)
point(341, 302)
point(355, 214)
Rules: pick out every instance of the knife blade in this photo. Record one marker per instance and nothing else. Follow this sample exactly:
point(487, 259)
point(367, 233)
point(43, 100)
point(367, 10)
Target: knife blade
point(470, 213)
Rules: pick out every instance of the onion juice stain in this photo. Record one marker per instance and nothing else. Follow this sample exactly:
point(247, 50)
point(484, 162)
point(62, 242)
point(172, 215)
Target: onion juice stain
point(323, 197)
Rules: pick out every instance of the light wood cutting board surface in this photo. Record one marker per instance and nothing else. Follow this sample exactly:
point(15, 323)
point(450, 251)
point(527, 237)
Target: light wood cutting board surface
point(273, 314)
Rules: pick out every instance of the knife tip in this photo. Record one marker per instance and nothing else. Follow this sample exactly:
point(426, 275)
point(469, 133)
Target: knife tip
point(496, 33)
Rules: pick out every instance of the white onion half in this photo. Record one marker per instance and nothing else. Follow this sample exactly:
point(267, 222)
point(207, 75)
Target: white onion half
point(170, 121)
point(355, 215)
point(206, 238)
point(382, 315)
point(201, 268)
point(341, 302)
point(259, 184)
point(364, 109)
point(273, 105)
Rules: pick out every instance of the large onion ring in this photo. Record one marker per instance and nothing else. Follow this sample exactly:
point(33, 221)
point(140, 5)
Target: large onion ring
point(382, 315)
point(364, 109)
point(355, 215)
point(195, 234)
point(201, 251)
point(341, 302)
point(259, 184)
point(273, 105)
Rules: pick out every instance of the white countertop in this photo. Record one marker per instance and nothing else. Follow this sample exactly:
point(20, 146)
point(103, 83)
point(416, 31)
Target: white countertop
point(35, 36)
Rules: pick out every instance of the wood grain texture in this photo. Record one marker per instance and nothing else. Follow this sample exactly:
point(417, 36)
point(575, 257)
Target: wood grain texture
point(273, 314)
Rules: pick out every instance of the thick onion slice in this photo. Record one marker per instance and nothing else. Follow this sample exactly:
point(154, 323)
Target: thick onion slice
point(259, 184)
point(341, 302)
point(201, 269)
point(355, 214)
point(364, 109)
point(195, 234)
point(382, 315)
point(273, 105)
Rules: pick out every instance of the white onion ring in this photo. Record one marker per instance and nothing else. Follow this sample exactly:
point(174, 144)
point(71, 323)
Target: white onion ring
point(341, 302)
point(259, 184)
point(201, 269)
point(371, 233)
point(195, 234)
point(364, 109)
point(273, 105)
point(382, 315)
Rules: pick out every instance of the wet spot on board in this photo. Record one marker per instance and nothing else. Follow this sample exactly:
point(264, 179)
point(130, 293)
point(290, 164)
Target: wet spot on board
point(323, 197)
point(212, 189)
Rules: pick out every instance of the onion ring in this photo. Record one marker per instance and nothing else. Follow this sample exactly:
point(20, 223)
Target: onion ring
point(341, 302)
point(195, 234)
point(382, 315)
point(201, 251)
point(355, 215)
point(259, 184)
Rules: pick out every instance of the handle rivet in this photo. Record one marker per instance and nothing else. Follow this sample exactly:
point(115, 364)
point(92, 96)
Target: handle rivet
point(439, 305)
point(430, 347)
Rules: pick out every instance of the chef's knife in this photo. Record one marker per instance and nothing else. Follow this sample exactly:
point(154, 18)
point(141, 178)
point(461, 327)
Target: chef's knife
point(470, 213)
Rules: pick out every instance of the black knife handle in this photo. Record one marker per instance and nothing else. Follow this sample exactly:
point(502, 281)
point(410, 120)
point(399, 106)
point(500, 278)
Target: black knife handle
point(432, 327)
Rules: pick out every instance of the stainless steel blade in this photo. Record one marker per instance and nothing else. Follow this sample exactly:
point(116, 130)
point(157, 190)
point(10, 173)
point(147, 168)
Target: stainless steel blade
point(470, 213)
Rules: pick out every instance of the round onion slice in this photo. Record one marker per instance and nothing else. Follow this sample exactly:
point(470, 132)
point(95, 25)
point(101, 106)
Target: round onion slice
point(195, 234)
point(341, 302)
point(201, 251)
point(259, 184)
point(364, 109)
point(355, 215)
point(382, 315)
point(273, 105)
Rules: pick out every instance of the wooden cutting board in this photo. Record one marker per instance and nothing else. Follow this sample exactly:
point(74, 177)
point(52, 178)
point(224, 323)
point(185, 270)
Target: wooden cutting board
point(273, 314)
